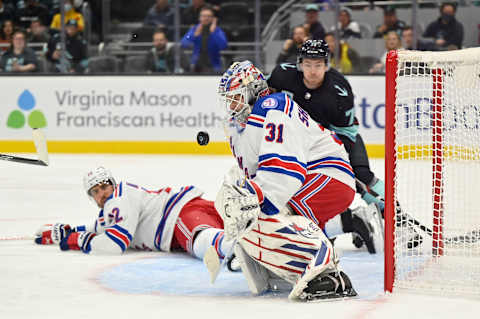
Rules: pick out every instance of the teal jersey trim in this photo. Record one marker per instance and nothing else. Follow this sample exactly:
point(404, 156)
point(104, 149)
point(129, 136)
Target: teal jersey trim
point(349, 131)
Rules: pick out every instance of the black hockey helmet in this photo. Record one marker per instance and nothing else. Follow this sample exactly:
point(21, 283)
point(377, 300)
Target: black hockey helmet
point(313, 49)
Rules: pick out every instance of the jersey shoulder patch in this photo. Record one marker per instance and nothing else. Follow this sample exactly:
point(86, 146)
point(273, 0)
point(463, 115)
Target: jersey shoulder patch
point(277, 101)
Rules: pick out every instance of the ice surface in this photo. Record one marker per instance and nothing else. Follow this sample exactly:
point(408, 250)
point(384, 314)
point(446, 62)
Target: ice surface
point(43, 282)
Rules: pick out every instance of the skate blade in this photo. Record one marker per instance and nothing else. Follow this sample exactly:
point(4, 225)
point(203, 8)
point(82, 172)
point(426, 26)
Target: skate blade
point(332, 298)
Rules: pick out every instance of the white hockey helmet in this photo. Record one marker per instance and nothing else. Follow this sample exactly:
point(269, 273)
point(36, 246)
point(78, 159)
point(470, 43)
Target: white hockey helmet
point(99, 175)
point(240, 87)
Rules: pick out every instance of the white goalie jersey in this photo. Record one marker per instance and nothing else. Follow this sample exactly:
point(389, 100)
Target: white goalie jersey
point(138, 218)
point(280, 146)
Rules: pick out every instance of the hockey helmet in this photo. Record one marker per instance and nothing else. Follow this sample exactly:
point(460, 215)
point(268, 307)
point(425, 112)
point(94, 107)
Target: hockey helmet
point(240, 87)
point(99, 175)
point(313, 49)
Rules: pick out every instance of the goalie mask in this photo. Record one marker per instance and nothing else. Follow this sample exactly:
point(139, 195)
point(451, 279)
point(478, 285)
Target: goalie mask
point(240, 87)
point(313, 49)
point(100, 175)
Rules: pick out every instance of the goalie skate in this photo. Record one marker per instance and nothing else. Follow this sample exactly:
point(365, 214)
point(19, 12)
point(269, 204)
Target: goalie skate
point(334, 285)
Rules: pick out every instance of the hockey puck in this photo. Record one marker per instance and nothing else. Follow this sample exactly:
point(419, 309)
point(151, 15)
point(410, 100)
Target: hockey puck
point(203, 138)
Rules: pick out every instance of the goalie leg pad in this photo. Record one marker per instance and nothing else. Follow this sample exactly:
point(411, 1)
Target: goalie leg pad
point(284, 244)
point(324, 262)
point(255, 274)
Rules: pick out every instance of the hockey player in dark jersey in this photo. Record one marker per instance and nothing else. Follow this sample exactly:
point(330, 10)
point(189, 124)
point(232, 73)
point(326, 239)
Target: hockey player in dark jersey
point(327, 97)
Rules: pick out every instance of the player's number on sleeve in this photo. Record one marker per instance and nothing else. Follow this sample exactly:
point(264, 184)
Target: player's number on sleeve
point(274, 133)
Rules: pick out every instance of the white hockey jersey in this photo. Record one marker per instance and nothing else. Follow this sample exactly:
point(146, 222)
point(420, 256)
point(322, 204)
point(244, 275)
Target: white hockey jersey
point(280, 145)
point(139, 218)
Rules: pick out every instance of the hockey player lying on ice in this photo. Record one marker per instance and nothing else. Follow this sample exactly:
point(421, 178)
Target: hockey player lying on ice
point(298, 176)
point(132, 216)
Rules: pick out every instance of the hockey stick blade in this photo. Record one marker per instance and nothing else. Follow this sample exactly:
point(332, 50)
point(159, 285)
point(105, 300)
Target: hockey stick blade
point(40, 145)
point(212, 261)
point(467, 238)
point(24, 160)
point(470, 237)
point(41, 148)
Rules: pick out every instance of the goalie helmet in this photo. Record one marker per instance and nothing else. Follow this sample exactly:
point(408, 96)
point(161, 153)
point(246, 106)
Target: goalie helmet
point(313, 49)
point(99, 175)
point(240, 87)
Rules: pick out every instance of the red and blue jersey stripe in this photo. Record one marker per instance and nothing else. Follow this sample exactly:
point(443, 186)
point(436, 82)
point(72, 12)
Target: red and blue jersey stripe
point(255, 189)
point(217, 243)
point(119, 235)
point(255, 120)
point(288, 106)
point(100, 220)
point(310, 189)
point(166, 213)
point(288, 165)
point(332, 162)
point(118, 190)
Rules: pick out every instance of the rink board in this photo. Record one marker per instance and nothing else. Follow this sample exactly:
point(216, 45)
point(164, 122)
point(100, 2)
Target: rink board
point(140, 114)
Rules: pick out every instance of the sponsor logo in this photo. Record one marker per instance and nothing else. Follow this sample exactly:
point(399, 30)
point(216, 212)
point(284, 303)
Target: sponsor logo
point(26, 103)
point(309, 232)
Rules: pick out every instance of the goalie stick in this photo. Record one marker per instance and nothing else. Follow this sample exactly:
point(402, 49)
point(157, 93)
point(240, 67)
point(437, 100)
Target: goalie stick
point(40, 146)
point(468, 238)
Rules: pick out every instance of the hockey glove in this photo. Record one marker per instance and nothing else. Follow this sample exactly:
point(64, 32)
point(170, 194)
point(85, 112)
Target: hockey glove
point(239, 210)
point(77, 241)
point(52, 234)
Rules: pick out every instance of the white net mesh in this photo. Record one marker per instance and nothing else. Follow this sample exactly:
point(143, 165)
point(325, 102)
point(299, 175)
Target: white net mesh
point(437, 183)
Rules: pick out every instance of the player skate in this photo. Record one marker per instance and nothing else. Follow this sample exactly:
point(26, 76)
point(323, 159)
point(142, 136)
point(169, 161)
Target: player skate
point(367, 227)
point(406, 231)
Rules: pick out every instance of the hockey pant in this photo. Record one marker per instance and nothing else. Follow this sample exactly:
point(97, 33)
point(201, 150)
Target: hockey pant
point(196, 215)
point(321, 198)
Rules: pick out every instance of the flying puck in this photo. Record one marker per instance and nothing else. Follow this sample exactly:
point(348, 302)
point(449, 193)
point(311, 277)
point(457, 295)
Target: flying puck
point(203, 138)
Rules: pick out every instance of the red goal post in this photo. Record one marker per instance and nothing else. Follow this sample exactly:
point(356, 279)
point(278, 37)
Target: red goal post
point(432, 170)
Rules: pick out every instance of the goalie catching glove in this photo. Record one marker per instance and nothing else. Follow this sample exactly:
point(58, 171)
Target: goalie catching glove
point(52, 234)
point(238, 208)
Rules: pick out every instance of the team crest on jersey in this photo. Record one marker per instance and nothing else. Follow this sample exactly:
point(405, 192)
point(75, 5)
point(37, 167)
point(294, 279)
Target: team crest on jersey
point(269, 103)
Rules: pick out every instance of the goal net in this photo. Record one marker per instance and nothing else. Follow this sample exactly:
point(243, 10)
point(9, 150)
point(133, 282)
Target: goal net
point(433, 172)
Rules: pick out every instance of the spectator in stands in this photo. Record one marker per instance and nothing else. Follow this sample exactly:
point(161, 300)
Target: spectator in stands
point(346, 26)
point(349, 60)
point(74, 59)
point(392, 42)
point(191, 13)
point(162, 56)
point(6, 33)
point(422, 45)
point(70, 14)
point(7, 11)
point(313, 27)
point(446, 31)
point(30, 10)
point(38, 33)
point(207, 40)
point(19, 58)
point(160, 15)
point(290, 46)
point(390, 23)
